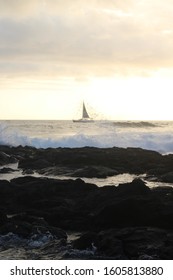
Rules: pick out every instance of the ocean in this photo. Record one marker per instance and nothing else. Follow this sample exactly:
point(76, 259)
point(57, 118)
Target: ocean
point(152, 135)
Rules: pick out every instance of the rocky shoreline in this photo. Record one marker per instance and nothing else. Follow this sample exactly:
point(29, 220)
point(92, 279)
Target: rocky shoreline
point(130, 221)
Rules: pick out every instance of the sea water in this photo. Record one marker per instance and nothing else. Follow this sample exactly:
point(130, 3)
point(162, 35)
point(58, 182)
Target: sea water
point(152, 135)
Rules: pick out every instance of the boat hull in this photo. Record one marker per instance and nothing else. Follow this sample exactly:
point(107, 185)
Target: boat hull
point(84, 120)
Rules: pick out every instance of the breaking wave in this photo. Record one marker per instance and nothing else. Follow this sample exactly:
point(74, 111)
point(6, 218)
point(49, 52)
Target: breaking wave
point(135, 124)
point(154, 137)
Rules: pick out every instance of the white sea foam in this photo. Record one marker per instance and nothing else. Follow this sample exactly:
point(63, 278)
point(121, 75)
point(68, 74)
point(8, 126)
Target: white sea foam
point(44, 134)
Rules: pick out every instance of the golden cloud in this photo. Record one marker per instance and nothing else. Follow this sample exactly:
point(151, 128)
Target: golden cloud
point(100, 37)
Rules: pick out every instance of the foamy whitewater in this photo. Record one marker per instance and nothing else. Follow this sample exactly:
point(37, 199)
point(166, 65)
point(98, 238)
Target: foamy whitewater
point(150, 135)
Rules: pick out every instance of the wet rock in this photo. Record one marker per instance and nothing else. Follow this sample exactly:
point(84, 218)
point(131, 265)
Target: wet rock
point(25, 180)
point(88, 161)
point(110, 246)
point(22, 229)
point(93, 161)
point(28, 171)
point(6, 159)
point(58, 233)
point(132, 211)
point(136, 187)
point(60, 214)
point(94, 171)
point(86, 241)
point(6, 170)
point(52, 250)
point(25, 226)
point(3, 218)
point(136, 243)
point(33, 164)
point(6, 193)
point(168, 177)
point(130, 221)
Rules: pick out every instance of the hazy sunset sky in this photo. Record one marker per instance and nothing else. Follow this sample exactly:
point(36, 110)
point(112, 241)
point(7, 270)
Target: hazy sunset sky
point(117, 55)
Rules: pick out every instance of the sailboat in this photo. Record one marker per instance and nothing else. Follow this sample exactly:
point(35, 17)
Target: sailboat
point(85, 116)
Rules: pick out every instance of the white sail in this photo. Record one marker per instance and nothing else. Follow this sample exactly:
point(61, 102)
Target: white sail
point(85, 115)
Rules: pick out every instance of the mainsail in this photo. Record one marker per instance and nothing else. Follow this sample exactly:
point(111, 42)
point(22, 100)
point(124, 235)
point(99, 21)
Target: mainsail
point(85, 115)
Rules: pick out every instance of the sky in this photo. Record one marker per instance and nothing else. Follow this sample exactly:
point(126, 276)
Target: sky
point(115, 55)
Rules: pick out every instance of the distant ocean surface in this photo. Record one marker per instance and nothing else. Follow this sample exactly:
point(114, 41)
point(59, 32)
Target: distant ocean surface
point(152, 135)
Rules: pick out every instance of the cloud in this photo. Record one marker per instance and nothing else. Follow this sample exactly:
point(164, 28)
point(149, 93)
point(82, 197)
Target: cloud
point(100, 37)
point(21, 8)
